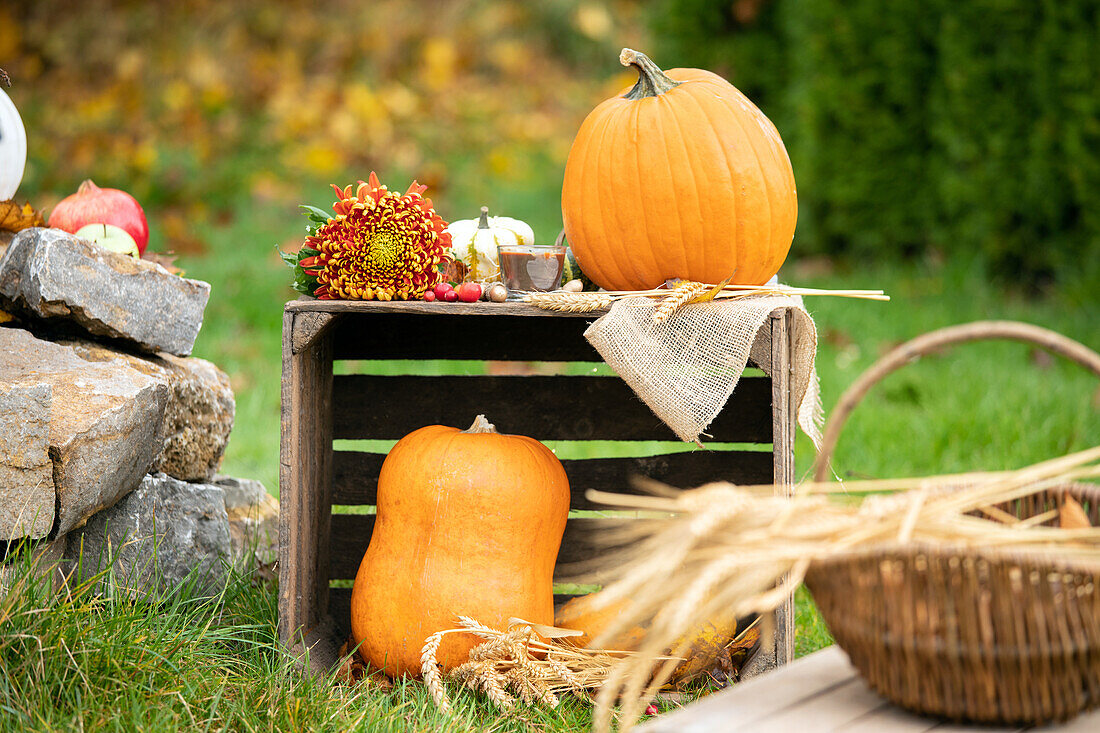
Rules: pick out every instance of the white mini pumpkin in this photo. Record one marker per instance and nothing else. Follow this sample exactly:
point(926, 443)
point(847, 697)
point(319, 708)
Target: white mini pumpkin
point(13, 148)
point(475, 241)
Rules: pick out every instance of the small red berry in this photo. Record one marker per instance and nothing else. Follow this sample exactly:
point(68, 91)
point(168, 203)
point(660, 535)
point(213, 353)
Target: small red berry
point(651, 710)
point(442, 289)
point(469, 292)
point(450, 296)
point(429, 295)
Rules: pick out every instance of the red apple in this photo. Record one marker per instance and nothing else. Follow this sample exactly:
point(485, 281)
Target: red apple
point(94, 205)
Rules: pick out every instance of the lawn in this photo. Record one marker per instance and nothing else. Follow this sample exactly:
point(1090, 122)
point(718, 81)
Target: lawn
point(111, 664)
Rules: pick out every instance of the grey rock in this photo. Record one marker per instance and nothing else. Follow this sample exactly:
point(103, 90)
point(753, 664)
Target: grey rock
point(198, 420)
point(156, 537)
point(199, 414)
point(26, 473)
point(253, 518)
point(55, 275)
point(240, 492)
point(105, 421)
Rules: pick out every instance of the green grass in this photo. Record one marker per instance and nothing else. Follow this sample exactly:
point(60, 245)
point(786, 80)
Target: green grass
point(87, 662)
point(214, 664)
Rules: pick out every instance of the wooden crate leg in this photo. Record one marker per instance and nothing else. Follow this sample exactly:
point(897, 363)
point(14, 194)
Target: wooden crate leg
point(784, 419)
point(305, 483)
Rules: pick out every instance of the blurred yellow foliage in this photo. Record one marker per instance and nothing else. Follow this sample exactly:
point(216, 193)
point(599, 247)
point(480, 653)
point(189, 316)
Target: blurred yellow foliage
point(9, 35)
point(439, 58)
point(593, 20)
point(193, 101)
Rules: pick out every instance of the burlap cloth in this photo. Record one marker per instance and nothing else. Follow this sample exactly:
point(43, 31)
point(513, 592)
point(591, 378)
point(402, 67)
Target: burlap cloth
point(687, 367)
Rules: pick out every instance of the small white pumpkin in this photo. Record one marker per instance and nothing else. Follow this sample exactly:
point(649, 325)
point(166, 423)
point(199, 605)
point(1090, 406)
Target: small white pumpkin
point(13, 148)
point(475, 241)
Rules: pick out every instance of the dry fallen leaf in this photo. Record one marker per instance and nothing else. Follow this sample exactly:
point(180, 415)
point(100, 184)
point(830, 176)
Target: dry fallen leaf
point(352, 671)
point(264, 573)
point(1072, 515)
point(16, 218)
point(164, 259)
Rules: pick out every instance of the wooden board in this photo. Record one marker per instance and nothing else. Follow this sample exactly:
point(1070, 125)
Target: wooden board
point(784, 420)
point(355, 473)
point(820, 692)
point(480, 308)
point(584, 540)
point(547, 408)
point(305, 480)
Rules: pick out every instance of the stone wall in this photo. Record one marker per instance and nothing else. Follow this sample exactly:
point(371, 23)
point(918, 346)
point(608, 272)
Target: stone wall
point(110, 434)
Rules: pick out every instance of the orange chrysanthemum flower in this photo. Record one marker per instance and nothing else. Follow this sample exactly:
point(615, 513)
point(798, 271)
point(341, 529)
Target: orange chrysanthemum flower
point(379, 246)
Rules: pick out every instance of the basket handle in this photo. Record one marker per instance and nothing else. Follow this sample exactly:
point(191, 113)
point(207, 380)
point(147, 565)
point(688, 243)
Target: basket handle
point(931, 341)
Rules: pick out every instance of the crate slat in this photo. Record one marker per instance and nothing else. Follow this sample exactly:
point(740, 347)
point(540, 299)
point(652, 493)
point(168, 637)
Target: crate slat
point(355, 473)
point(551, 408)
point(351, 535)
point(482, 309)
point(443, 336)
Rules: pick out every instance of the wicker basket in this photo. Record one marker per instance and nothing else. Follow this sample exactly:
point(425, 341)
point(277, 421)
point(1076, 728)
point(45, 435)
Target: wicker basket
point(969, 636)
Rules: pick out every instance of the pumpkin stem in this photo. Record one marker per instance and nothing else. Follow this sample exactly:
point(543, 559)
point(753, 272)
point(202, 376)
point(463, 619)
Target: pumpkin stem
point(481, 425)
point(483, 222)
point(651, 80)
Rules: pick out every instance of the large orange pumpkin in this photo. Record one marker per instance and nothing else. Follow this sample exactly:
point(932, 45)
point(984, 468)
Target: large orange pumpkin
point(469, 522)
point(680, 177)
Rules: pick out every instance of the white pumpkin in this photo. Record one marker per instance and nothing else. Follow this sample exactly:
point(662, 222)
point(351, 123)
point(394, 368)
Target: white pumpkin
point(13, 148)
point(475, 241)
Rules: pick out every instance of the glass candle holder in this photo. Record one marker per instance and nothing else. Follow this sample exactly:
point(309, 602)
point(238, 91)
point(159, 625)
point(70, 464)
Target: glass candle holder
point(527, 268)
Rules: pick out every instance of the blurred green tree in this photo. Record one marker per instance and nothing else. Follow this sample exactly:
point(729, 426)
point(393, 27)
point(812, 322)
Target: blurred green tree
point(960, 126)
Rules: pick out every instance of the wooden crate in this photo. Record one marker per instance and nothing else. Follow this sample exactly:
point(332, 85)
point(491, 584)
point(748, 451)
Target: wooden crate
point(320, 542)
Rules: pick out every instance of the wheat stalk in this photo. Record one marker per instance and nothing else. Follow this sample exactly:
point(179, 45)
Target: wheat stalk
point(429, 670)
point(682, 294)
point(570, 302)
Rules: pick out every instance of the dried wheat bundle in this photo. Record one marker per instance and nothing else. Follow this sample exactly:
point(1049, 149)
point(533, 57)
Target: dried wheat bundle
point(519, 663)
point(743, 550)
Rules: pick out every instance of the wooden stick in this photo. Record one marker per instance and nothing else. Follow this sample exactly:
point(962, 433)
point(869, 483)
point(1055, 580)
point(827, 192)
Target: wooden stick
point(742, 291)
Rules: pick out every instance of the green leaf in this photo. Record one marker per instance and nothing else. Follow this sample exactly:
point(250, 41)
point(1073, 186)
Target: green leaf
point(315, 214)
point(303, 281)
point(290, 259)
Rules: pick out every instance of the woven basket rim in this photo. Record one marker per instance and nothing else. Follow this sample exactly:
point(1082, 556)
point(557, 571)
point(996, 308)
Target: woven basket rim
point(1042, 561)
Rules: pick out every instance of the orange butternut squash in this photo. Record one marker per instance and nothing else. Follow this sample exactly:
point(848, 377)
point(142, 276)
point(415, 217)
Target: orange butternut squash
point(470, 523)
